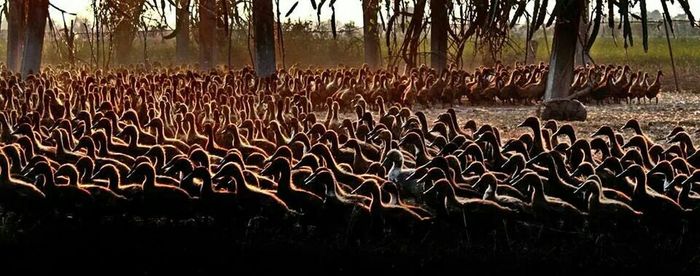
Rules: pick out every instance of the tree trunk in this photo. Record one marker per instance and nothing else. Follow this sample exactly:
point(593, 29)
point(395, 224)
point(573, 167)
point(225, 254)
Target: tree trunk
point(264, 32)
point(438, 34)
point(16, 22)
point(561, 67)
point(207, 34)
point(37, 12)
point(582, 57)
point(125, 32)
point(182, 39)
point(370, 30)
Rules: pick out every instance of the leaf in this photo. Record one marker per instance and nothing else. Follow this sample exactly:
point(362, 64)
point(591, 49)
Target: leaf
point(542, 13)
point(333, 27)
point(172, 34)
point(645, 27)
point(535, 14)
point(686, 8)
point(667, 15)
point(627, 26)
point(291, 10)
point(555, 13)
point(611, 14)
point(518, 13)
point(596, 24)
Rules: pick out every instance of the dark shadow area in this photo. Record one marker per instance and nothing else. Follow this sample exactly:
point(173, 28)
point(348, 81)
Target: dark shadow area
point(203, 246)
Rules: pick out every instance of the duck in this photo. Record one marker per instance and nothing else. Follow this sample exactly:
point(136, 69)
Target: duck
point(549, 209)
point(608, 132)
point(297, 199)
point(144, 137)
point(397, 217)
point(654, 205)
point(394, 198)
point(633, 124)
point(538, 142)
point(104, 150)
point(87, 143)
point(17, 195)
point(105, 200)
point(256, 201)
point(604, 208)
point(161, 139)
point(686, 197)
point(396, 173)
point(72, 199)
point(515, 203)
point(360, 164)
point(470, 213)
point(160, 199)
point(132, 192)
point(221, 203)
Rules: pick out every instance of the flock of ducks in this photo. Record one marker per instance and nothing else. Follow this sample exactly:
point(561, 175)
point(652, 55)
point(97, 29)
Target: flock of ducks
point(225, 144)
point(486, 85)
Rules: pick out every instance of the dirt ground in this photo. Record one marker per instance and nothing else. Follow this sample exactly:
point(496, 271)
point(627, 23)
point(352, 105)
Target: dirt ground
point(657, 120)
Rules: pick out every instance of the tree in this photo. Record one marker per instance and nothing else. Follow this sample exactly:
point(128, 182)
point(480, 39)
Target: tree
point(438, 34)
point(37, 12)
point(207, 33)
point(263, 27)
point(15, 33)
point(126, 15)
point(582, 54)
point(370, 28)
point(182, 38)
point(561, 65)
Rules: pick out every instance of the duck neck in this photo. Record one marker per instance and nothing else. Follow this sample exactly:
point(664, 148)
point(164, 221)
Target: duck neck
point(490, 192)
point(206, 188)
point(376, 204)
point(685, 192)
point(236, 137)
point(538, 192)
point(281, 140)
point(150, 181)
point(4, 171)
point(285, 181)
point(615, 148)
point(641, 185)
point(689, 146)
point(49, 181)
point(537, 141)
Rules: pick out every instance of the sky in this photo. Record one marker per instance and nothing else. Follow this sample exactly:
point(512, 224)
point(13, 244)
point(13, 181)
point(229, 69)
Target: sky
point(346, 10)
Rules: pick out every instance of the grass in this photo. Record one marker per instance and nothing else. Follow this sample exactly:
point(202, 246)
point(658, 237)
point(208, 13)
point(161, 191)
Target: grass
point(324, 51)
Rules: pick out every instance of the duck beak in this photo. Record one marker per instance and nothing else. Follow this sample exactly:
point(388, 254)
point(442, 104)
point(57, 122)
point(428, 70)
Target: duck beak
point(627, 145)
point(309, 179)
point(131, 175)
point(266, 170)
point(27, 171)
point(479, 182)
point(429, 190)
point(95, 175)
point(622, 174)
point(506, 164)
point(518, 182)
